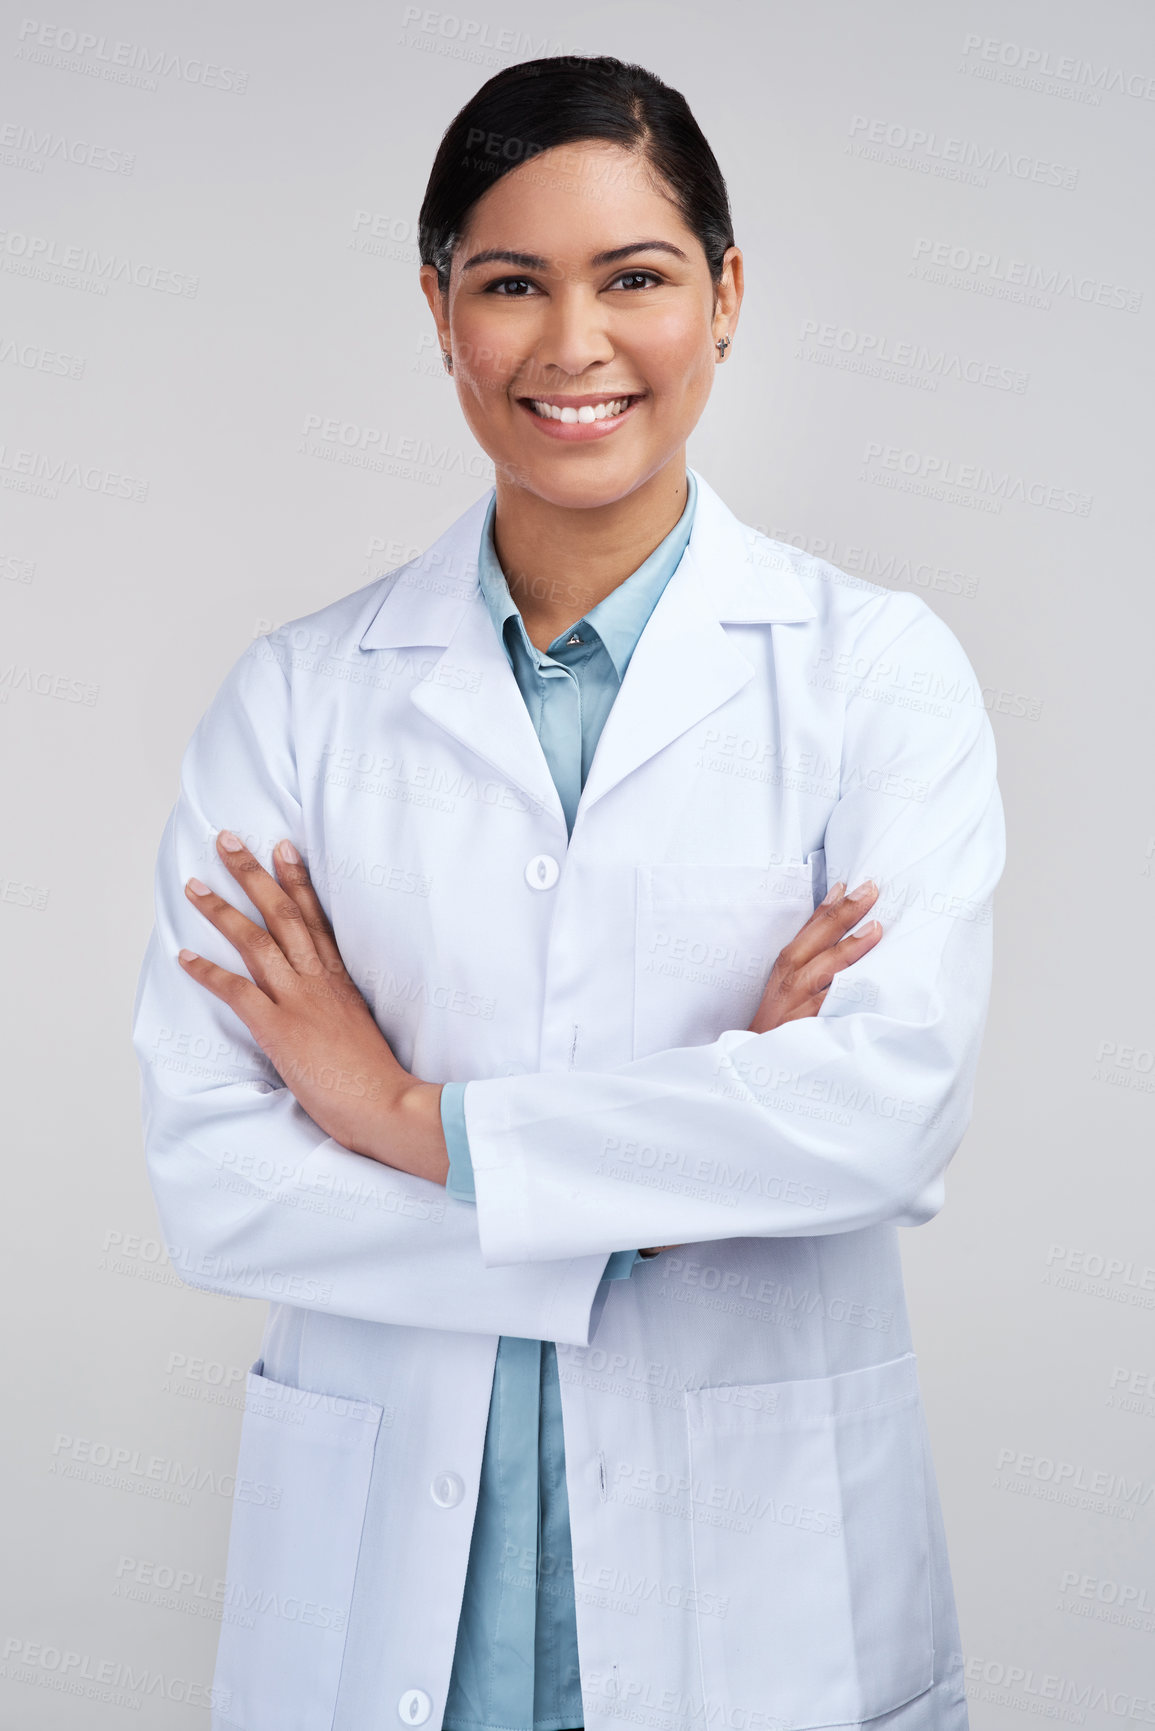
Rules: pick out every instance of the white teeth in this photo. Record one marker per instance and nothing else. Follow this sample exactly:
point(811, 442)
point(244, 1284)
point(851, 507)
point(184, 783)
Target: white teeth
point(588, 411)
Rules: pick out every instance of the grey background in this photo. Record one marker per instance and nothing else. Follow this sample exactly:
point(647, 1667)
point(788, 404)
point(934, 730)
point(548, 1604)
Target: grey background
point(271, 166)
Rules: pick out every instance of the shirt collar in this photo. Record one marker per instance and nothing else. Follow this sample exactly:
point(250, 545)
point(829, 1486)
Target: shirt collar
point(621, 615)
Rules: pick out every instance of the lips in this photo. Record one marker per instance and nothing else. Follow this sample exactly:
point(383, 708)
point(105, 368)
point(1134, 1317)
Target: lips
point(579, 418)
point(582, 410)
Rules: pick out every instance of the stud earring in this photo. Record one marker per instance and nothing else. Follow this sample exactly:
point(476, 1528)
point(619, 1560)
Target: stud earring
point(448, 359)
point(722, 345)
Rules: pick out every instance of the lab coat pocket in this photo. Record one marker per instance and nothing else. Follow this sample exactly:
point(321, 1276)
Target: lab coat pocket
point(810, 1526)
point(302, 1483)
point(706, 938)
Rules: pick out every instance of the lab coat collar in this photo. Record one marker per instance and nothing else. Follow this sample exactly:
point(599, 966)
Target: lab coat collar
point(684, 667)
point(743, 577)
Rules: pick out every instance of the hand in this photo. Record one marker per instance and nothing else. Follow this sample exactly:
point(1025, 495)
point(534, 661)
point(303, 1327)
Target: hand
point(801, 976)
point(309, 1019)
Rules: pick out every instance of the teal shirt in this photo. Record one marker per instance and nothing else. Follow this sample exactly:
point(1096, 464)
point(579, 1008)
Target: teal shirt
point(515, 1667)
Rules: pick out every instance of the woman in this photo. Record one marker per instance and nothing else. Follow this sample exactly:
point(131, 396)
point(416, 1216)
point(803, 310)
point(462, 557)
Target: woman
point(545, 1111)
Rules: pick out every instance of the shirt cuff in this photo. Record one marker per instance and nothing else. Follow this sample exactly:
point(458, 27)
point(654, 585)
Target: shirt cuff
point(459, 1183)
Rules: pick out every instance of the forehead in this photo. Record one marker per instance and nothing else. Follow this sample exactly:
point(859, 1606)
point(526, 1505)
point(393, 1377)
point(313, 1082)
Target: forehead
point(575, 200)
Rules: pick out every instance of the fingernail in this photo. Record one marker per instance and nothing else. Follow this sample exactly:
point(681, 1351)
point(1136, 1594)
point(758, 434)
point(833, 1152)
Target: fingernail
point(863, 890)
point(230, 842)
point(833, 893)
point(868, 930)
point(187, 955)
point(288, 853)
point(197, 888)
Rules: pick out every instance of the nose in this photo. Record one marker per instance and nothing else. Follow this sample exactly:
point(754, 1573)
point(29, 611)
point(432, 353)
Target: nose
point(574, 335)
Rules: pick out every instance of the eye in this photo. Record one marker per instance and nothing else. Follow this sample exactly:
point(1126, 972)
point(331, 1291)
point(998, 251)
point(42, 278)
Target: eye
point(638, 278)
point(511, 287)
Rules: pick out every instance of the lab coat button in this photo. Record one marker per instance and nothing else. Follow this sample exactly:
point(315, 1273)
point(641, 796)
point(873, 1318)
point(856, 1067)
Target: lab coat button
point(414, 1707)
point(542, 872)
point(447, 1490)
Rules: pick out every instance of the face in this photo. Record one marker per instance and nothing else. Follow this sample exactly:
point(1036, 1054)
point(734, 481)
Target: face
point(578, 287)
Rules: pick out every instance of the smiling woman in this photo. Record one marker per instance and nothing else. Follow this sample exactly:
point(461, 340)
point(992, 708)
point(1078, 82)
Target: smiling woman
point(570, 1139)
point(627, 293)
point(635, 337)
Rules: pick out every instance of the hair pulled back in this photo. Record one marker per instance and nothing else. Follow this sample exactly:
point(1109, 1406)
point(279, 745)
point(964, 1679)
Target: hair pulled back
point(539, 104)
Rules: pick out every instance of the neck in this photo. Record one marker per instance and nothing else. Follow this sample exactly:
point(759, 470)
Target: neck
point(560, 561)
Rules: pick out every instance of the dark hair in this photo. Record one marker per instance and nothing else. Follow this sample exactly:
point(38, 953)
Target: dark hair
point(537, 104)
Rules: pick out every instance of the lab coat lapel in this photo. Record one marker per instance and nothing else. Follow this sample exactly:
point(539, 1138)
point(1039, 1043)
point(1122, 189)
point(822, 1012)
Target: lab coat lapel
point(685, 665)
point(470, 691)
point(474, 696)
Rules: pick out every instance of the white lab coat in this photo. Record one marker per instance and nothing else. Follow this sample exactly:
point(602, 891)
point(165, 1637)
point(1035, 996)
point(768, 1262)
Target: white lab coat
point(757, 1537)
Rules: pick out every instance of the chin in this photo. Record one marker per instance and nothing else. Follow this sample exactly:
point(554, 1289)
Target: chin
point(574, 486)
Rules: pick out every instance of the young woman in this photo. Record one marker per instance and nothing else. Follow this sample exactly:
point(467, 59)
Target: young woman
point(508, 1025)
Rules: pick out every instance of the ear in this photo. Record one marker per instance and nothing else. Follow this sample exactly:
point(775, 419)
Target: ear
point(728, 294)
point(438, 303)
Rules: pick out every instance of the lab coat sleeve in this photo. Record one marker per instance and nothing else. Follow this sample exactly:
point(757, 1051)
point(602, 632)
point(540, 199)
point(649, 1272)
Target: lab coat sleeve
point(254, 1199)
point(460, 1181)
point(832, 1123)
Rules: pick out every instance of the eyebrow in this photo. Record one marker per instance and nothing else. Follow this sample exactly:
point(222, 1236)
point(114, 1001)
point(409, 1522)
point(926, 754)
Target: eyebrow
point(534, 261)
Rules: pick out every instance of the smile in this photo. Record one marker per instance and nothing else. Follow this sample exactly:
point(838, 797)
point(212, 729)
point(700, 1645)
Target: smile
point(601, 411)
point(579, 420)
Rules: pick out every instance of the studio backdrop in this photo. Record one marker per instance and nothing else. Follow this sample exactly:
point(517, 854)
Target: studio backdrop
point(222, 405)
